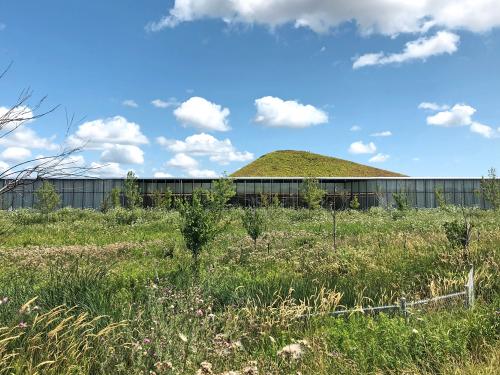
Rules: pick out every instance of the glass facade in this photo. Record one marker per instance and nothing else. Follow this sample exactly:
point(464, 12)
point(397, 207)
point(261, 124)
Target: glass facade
point(421, 192)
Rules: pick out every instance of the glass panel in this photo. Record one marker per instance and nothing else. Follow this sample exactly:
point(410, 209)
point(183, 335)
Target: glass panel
point(420, 186)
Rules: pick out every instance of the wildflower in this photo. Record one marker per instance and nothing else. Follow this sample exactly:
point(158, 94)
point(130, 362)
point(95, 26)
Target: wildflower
point(251, 369)
point(4, 300)
point(205, 369)
point(23, 325)
point(146, 341)
point(292, 351)
point(163, 366)
point(414, 331)
point(199, 313)
point(183, 337)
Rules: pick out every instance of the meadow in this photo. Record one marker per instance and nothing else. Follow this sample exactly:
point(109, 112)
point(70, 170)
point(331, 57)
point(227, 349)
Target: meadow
point(86, 292)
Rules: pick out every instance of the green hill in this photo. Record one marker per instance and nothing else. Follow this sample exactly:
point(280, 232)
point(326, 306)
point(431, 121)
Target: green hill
point(307, 164)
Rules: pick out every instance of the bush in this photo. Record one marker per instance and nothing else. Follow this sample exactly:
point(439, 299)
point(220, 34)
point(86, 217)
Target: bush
point(311, 193)
point(354, 204)
point(458, 233)
point(254, 222)
point(490, 189)
point(133, 196)
point(197, 224)
point(47, 199)
point(401, 201)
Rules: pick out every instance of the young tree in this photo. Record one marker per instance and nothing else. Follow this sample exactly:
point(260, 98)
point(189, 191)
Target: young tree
point(401, 200)
point(197, 224)
point(254, 222)
point(222, 191)
point(132, 193)
point(440, 200)
point(490, 189)
point(312, 193)
point(47, 198)
point(354, 204)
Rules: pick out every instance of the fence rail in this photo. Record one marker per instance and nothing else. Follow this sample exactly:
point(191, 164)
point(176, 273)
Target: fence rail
point(404, 306)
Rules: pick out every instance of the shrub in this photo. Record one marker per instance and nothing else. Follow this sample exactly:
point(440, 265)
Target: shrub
point(490, 189)
point(312, 193)
point(197, 224)
point(458, 233)
point(401, 201)
point(254, 223)
point(162, 200)
point(440, 201)
point(354, 204)
point(47, 198)
point(133, 196)
point(220, 195)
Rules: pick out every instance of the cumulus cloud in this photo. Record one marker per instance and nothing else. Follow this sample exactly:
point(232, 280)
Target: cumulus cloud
point(379, 158)
point(432, 106)
point(171, 102)
point(130, 103)
point(183, 161)
point(385, 133)
point(443, 42)
point(355, 128)
point(276, 112)
point(106, 170)
point(202, 114)
point(203, 173)
point(484, 130)
point(220, 151)
point(103, 133)
point(3, 166)
point(370, 16)
point(123, 154)
point(458, 115)
point(361, 148)
point(162, 175)
point(15, 154)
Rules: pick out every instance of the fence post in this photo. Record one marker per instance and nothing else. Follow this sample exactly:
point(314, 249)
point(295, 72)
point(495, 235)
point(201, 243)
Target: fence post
point(402, 306)
point(469, 289)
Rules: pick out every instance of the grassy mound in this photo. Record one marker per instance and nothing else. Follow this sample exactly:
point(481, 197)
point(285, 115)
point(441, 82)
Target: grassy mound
point(289, 163)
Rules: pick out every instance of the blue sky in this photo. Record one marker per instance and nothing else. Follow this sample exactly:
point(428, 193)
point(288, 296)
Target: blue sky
point(233, 80)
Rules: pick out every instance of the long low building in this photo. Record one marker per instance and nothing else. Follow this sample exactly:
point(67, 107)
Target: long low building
point(421, 192)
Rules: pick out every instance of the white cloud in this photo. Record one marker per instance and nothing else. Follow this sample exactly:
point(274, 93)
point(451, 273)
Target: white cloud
point(386, 17)
point(28, 138)
point(355, 128)
point(106, 170)
point(361, 148)
point(379, 158)
point(443, 42)
point(130, 103)
point(276, 112)
point(202, 114)
point(385, 133)
point(432, 106)
point(171, 102)
point(416, 159)
point(3, 166)
point(183, 161)
point(458, 115)
point(484, 130)
point(124, 154)
point(202, 173)
point(162, 175)
point(16, 154)
point(220, 151)
point(104, 133)
point(12, 118)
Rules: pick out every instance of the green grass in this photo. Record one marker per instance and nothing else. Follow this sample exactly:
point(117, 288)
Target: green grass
point(307, 164)
point(133, 302)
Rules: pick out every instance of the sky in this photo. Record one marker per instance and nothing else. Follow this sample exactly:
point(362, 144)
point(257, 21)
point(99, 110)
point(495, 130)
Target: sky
point(196, 88)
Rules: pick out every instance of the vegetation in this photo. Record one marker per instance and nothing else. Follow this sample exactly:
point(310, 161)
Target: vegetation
point(490, 188)
point(354, 203)
point(307, 164)
point(115, 292)
point(133, 198)
point(254, 222)
point(401, 201)
point(312, 194)
point(47, 199)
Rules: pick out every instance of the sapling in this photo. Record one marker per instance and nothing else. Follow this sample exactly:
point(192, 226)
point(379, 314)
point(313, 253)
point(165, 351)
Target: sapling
point(354, 204)
point(132, 192)
point(254, 222)
point(47, 198)
point(312, 193)
point(490, 189)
